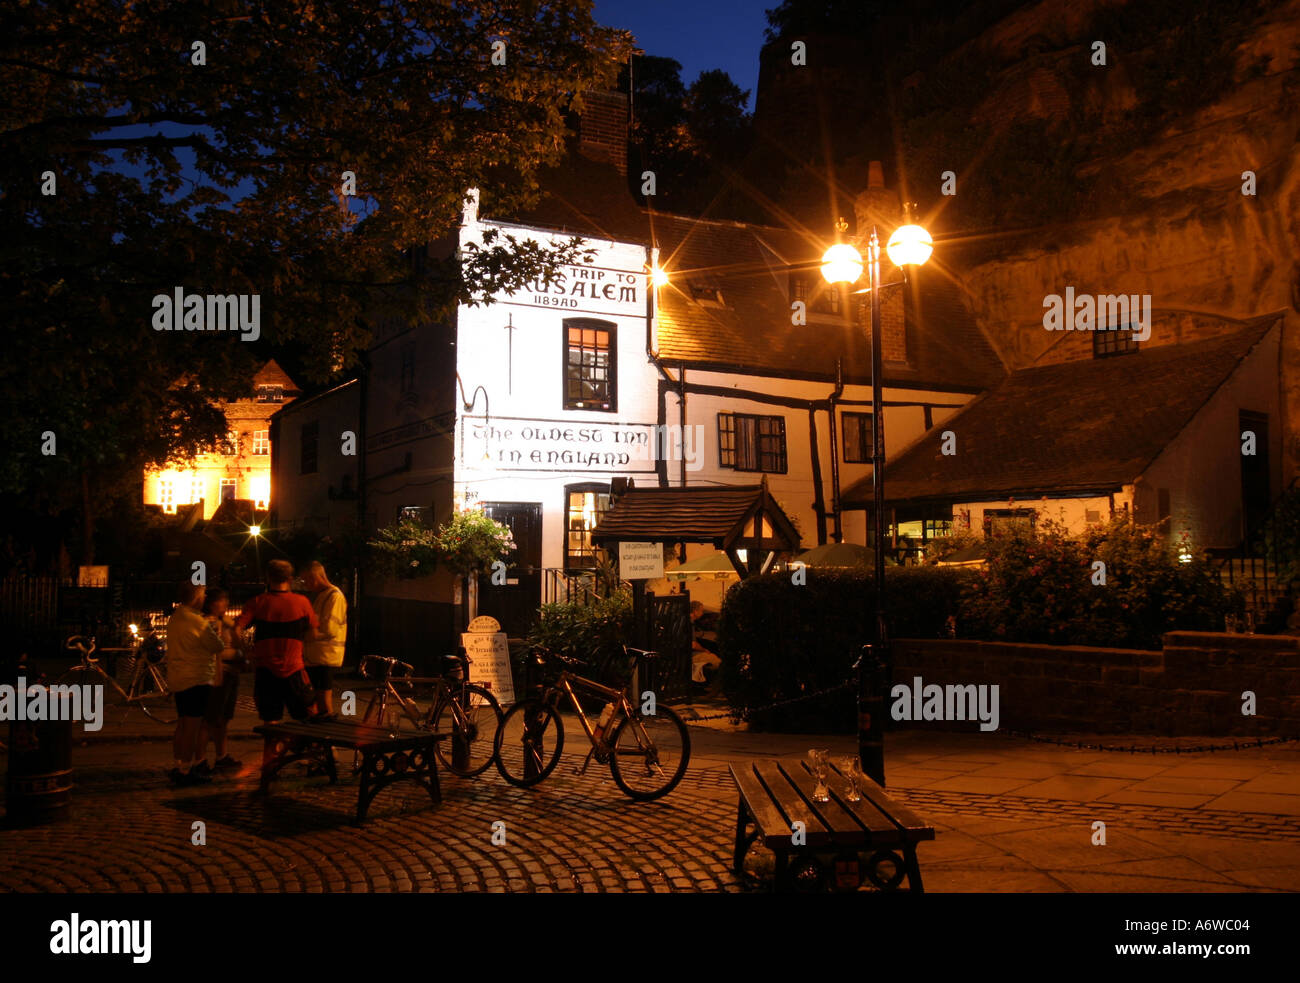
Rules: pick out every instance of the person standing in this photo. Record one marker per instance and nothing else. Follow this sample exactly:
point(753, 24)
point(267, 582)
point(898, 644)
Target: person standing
point(324, 654)
point(282, 621)
point(194, 656)
point(221, 700)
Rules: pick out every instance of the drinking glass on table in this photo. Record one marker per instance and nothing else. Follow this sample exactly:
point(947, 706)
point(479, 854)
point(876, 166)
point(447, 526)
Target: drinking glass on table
point(851, 772)
point(821, 793)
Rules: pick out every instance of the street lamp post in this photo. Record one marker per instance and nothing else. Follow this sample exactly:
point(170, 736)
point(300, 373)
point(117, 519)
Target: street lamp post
point(910, 245)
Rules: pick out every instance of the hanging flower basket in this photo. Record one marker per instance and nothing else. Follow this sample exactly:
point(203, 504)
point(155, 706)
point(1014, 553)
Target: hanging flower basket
point(470, 542)
point(406, 549)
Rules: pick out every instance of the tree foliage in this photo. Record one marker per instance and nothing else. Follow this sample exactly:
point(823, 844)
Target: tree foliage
point(227, 177)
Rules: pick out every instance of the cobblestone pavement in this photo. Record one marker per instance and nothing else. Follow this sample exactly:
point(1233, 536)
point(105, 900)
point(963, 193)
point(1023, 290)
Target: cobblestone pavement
point(1010, 815)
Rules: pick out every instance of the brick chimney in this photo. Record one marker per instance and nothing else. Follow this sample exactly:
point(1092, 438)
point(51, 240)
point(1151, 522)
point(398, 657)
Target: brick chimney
point(879, 206)
point(603, 128)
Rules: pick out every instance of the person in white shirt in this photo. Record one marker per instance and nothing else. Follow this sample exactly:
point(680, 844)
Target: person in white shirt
point(194, 654)
point(324, 654)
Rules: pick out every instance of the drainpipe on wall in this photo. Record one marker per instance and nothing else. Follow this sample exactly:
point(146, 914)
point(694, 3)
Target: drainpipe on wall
point(838, 532)
point(681, 416)
point(814, 454)
point(358, 572)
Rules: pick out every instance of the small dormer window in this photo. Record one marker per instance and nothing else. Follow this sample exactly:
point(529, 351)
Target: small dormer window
point(819, 296)
point(270, 394)
point(705, 292)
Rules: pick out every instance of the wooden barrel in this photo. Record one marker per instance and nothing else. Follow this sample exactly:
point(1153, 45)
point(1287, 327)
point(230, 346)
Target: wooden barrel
point(39, 779)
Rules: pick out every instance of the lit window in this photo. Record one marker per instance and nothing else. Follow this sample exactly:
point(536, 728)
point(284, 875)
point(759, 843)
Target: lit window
point(260, 488)
point(751, 443)
point(261, 442)
point(167, 494)
point(590, 374)
point(585, 505)
point(230, 446)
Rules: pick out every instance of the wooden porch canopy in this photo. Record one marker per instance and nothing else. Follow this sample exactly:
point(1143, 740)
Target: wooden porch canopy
point(731, 518)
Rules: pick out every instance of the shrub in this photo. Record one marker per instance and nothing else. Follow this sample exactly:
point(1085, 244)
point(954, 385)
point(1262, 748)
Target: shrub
point(780, 641)
point(1039, 587)
point(593, 632)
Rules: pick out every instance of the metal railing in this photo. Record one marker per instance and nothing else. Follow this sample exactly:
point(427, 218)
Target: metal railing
point(1258, 569)
point(584, 587)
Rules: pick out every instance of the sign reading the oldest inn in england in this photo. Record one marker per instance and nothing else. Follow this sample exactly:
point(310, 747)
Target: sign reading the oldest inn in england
point(523, 444)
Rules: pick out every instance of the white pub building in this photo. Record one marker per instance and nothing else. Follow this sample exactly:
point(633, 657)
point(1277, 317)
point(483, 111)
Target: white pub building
point(721, 336)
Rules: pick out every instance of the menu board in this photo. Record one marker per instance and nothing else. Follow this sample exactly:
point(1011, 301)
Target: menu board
point(490, 663)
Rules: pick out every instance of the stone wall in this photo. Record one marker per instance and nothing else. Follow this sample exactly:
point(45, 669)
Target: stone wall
point(1193, 688)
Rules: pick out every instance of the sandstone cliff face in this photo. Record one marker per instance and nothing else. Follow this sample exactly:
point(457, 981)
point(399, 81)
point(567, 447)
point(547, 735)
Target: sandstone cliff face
point(1207, 254)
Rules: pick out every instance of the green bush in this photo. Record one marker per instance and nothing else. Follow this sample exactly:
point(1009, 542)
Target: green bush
point(1040, 587)
point(780, 641)
point(593, 632)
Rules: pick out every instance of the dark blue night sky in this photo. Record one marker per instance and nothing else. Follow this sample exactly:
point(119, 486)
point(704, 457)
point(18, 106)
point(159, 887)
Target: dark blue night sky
point(701, 34)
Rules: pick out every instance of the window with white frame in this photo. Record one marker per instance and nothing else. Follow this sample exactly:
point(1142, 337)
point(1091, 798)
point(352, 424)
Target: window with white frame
point(261, 442)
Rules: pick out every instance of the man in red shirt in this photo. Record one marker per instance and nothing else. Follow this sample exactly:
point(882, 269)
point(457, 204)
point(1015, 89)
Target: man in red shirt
point(282, 620)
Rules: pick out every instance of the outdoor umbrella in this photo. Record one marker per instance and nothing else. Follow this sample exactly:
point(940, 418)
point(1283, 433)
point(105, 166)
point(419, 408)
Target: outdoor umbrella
point(969, 556)
point(715, 566)
point(838, 555)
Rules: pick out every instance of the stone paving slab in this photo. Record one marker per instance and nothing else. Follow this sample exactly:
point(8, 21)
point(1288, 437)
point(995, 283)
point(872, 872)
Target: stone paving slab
point(1010, 815)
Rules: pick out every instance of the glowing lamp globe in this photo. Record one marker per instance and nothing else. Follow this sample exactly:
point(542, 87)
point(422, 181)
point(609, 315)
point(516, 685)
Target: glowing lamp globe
point(841, 264)
point(910, 245)
point(659, 276)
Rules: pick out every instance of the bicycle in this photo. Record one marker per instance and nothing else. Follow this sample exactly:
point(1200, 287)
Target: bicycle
point(449, 703)
point(647, 753)
point(147, 678)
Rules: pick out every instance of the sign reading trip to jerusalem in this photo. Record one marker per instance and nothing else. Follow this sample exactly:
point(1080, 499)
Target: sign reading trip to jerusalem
point(587, 289)
point(508, 443)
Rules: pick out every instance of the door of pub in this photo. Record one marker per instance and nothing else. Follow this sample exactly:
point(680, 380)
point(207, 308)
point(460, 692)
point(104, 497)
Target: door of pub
point(515, 602)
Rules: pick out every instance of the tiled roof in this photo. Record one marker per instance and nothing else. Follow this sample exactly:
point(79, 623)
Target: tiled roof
point(1072, 427)
point(749, 265)
point(701, 514)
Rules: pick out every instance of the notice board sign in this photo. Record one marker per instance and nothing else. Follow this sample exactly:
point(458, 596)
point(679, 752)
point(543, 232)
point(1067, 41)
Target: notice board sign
point(640, 561)
point(490, 663)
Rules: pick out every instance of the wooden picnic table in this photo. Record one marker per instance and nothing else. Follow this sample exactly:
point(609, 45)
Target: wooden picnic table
point(386, 756)
point(777, 794)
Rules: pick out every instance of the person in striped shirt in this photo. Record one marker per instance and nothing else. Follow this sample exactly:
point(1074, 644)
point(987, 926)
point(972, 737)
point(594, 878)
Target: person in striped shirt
point(282, 621)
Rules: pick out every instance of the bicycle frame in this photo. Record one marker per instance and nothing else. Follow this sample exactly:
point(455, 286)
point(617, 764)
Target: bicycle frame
point(441, 691)
point(564, 686)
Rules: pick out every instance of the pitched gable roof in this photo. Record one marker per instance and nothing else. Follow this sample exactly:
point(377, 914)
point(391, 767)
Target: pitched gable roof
point(1072, 427)
point(749, 266)
point(700, 514)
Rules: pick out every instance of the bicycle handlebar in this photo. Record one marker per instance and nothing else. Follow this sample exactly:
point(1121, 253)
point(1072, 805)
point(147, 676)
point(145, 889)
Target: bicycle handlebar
point(392, 663)
point(77, 642)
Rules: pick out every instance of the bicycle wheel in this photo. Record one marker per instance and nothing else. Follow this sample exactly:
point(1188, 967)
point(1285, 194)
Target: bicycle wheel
point(531, 739)
point(650, 754)
point(77, 675)
point(153, 695)
point(474, 731)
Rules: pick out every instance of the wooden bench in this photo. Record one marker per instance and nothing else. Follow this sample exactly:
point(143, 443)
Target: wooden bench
point(386, 756)
point(776, 794)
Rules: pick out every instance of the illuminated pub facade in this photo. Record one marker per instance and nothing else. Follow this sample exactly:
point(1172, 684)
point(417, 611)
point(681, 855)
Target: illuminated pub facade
point(538, 406)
